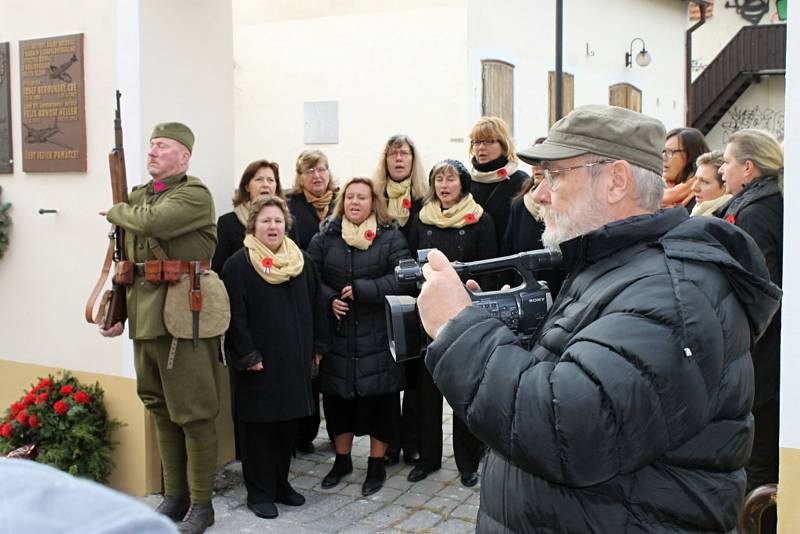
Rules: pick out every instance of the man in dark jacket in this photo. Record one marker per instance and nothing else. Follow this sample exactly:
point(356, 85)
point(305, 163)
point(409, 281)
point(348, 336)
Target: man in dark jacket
point(631, 413)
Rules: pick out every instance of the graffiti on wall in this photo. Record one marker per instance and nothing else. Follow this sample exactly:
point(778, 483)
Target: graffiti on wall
point(764, 119)
point(749, 10)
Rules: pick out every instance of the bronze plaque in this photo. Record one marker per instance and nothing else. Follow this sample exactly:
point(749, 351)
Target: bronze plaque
point(6, 155)
point(53, 104)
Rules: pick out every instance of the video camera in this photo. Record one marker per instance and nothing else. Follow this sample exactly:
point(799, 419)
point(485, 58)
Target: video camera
point(521, 308)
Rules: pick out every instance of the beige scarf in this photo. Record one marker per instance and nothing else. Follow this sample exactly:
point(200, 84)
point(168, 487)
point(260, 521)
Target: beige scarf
point(274, 267)
point(532, 206)
point(320, 203)
point(492, 177)
point(242, 212)
point(360, 236)
point(399, 194)
point(709, 206)
point(465, 212)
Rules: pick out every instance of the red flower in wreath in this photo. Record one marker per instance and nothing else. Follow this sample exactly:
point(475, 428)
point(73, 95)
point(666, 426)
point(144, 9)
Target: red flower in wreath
point(44, 383)
point(81, 397)
point(266, 264)
point(22, 417)
point(29, 398)
point(369, 235)
point(502, 173)
point(731, 219)
point(407, 203)
point(66, 390)
point(470, 218)
point(15, 408)
point(42, 398)
point(33, 421)
point(5, 430)
point(60, 407)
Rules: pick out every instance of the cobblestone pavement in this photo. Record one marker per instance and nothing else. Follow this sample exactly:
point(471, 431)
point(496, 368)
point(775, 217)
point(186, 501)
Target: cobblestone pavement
point(438, 504)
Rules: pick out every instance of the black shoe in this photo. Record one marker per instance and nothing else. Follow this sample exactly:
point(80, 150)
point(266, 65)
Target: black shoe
point(199, 518)
point(267, 510)
point(342, 466)
point(391, 458)
point(469, 479)
point(376, 474)
point(305, 448)
point(174, 506)
point(292, 499)
point(410, 458)
point(420, 472)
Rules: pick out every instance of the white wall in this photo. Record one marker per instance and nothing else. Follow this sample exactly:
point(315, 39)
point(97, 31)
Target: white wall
point(53, 260)
point(391, 68)
point(760, 106)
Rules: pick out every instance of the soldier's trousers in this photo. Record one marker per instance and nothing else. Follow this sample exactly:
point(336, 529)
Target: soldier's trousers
point(184, 402)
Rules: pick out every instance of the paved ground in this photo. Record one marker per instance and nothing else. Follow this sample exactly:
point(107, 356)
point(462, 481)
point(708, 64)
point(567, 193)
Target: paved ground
point(438, 504)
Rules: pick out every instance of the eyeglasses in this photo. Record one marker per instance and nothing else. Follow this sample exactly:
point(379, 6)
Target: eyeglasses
point(315, 170)
point(485, 142)
point(669, 153)
point(401, 153)
point(552, 175)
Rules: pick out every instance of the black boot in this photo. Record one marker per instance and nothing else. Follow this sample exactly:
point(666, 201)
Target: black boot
point(199, 518)
point(342, 466)
point(376, 474)
point(174, 506)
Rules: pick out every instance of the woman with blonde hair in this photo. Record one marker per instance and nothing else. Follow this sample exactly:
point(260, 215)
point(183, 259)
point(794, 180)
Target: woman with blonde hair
point(709, 189)
point(399, 176)
point(496, 178)
point(753, 174)
point(355, 253)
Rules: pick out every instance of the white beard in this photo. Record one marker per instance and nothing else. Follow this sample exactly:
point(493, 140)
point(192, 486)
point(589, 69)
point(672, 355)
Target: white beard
point(587, 213)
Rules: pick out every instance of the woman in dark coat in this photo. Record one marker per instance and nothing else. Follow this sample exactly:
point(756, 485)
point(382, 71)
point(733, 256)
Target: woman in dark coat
point(753, 174)
point(355, 254)
point(400, 178)
point(261, 177)
point(454, 223)
point(270, 347)
point(311, 200)
point(495, 176)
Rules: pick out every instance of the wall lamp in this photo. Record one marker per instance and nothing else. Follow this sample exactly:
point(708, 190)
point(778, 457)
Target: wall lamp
point(643, 58)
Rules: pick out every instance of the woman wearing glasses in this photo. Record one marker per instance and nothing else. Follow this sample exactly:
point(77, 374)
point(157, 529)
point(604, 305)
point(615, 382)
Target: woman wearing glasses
point(451, 221)
point(310, 202)
point(683, 147)
point(495, 176)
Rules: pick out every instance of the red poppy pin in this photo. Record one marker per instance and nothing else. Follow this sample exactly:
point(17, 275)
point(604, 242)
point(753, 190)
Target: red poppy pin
point(369, 235)
point(470, 218)
point(502, 173)
point(266, 265)
point(159, 186)
point(730, 218)
point(407, 203)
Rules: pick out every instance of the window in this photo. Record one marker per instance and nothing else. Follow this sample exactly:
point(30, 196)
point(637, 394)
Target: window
point(626, 96)
point(567, 94)
point(498, 90)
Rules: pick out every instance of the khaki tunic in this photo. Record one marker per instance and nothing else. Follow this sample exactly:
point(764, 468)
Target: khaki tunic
point(182, 218)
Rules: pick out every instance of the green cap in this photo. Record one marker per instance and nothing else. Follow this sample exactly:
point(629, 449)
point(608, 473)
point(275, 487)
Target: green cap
point(174, 130)
point(609, 131)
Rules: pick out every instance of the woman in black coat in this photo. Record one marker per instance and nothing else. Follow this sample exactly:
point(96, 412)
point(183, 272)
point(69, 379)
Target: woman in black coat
point(270, 346)
point(753, 174)
point(311, 200)
point(495, 177)
point(355, 254)
point(400, 177)
point(454, 223)
point(261, 177)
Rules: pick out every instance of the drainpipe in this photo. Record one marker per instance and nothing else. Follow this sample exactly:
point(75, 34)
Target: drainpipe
point(559, 56)
point(689, 32)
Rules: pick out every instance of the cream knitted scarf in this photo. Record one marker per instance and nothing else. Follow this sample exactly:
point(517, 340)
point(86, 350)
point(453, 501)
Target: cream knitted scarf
point(274, 267)
point(362, 235)
point(465, 212)
point(399, 194)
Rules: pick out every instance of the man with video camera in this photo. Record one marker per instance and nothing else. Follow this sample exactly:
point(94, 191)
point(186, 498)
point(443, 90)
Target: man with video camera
point(631, 413)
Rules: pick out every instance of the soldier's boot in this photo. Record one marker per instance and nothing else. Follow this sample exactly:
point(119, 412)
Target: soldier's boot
point(199, 518)
point(174, 506)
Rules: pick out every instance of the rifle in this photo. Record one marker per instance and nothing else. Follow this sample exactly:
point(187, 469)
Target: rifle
point(113, 308)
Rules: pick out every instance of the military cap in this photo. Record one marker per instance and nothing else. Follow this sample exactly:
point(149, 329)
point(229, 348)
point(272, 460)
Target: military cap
point(174, 130)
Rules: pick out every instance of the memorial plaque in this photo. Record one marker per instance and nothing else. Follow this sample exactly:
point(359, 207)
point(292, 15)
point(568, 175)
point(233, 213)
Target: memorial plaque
point(53, 104)
point(6, 154)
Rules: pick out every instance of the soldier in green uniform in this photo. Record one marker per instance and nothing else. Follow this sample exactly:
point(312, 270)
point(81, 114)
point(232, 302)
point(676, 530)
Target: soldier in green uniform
point(177, 383)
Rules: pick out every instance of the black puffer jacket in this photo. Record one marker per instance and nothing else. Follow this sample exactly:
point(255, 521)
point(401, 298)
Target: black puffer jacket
point(306, 223)
point(496, 199)
point(632, 411)
point(359, 362)
point(758, 210)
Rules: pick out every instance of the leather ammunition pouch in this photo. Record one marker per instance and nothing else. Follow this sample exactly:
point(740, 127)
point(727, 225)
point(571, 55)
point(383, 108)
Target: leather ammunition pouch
point(123, 272)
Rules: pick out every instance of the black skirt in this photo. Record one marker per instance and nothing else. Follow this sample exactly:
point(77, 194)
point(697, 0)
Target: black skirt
point(373, 416)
